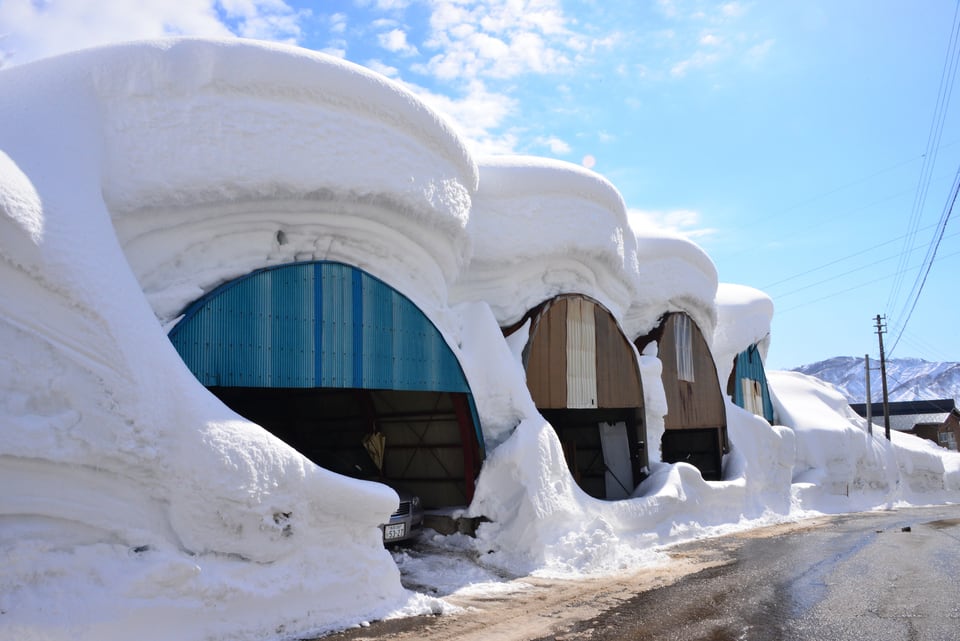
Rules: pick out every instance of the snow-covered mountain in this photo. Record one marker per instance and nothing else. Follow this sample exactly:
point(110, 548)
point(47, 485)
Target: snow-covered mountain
point(908, 379)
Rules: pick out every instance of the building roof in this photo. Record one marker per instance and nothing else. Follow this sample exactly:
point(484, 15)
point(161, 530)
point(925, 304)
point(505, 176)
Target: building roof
point(905, 408)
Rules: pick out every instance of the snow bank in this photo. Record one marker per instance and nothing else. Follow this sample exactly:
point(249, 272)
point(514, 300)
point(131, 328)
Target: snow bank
point(841, 467)
point(544, 227)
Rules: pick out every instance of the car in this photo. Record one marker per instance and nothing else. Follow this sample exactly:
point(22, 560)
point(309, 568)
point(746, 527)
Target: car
point(406, 522)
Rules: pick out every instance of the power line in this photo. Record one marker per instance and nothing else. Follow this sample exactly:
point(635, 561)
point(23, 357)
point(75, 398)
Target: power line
point(931, 256)
point(838, 260)
point(780, 312)
point(947, 75)
point(850, 271)
point(923, 347)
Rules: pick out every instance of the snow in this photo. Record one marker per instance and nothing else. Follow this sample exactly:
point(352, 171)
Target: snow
point(923, 380)
point(135, 178)
point(545, 227)
point(744, 315)
point(673, 274)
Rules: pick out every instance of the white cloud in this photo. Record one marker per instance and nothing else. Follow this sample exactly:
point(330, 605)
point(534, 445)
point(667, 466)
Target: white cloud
point(382, 69)
point(396, 41)
point(384, 5)
point(698, 60)
point(710, 40)
point(334, 50)
point(477, 116)
point(733, 9)
point(684, 222)
point(501, 39)
point(33, 30)
point(554, 144)
point(338, 23)
point(757, 53)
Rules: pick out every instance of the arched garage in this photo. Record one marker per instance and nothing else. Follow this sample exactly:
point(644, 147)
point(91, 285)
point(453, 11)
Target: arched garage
point(695, 426)
point(583, 377)
point(343, 368)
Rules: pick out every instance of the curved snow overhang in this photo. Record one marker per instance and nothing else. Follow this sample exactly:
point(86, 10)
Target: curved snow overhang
point(541, 228)
point(217, 157)
point(744, 315)
point(674, 274)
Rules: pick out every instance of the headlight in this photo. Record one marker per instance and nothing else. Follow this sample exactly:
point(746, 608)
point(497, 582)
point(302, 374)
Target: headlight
point(415, 501)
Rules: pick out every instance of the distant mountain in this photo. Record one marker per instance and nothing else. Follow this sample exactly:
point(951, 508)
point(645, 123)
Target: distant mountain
point(908, 379)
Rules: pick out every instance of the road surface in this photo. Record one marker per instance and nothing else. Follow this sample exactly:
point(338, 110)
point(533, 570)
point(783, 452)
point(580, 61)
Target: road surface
point(881, 576)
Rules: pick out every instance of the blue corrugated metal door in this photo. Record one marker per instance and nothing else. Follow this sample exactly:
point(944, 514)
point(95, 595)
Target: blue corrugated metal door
point(749, 367)
point(316, 325)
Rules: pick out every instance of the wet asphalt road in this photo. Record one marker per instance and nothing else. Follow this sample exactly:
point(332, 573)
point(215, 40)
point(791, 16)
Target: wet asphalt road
point(888, 576)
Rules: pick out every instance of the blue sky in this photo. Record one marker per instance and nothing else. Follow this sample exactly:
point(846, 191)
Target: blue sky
point(810, 147)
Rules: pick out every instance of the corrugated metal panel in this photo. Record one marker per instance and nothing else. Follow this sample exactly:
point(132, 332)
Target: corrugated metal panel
point(749, 367)
point(546, 360)
point(314, 325)
point(690, 405)
point(618, 375)
point(581, 355)
point(579, 358)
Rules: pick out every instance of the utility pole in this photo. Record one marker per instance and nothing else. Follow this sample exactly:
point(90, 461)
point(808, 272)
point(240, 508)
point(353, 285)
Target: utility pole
point(866, 362)
point(881, 330)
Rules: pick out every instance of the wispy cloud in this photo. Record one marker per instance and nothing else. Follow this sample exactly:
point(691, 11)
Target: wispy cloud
point(338, 22)
point(554, 144)
point(499, 39)
point(477, 113)
point(684, 222)
point(704, 37)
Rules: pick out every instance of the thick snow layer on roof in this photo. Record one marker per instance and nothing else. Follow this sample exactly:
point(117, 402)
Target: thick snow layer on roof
point(673, 274)
point(744, 315)
point(217, 157)
point(544, 227)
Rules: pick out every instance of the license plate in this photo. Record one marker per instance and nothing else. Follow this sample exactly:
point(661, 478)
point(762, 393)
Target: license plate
point(395, 531)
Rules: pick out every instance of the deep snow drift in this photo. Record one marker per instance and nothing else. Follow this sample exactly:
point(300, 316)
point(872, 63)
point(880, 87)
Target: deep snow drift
point(135, 178)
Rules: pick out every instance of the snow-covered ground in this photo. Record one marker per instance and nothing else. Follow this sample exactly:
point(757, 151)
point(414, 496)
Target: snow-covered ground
point(135, 178)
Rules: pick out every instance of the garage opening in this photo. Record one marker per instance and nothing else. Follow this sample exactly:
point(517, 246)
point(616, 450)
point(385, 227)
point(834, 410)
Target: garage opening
point(747, 385)
point(583, 376)
point(695, 426)
point(343, 368)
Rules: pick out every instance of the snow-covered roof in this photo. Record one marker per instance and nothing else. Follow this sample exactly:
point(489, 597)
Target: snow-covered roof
point(543, 227)
point(673, 274)
point(217, 157)
point(744, 315)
